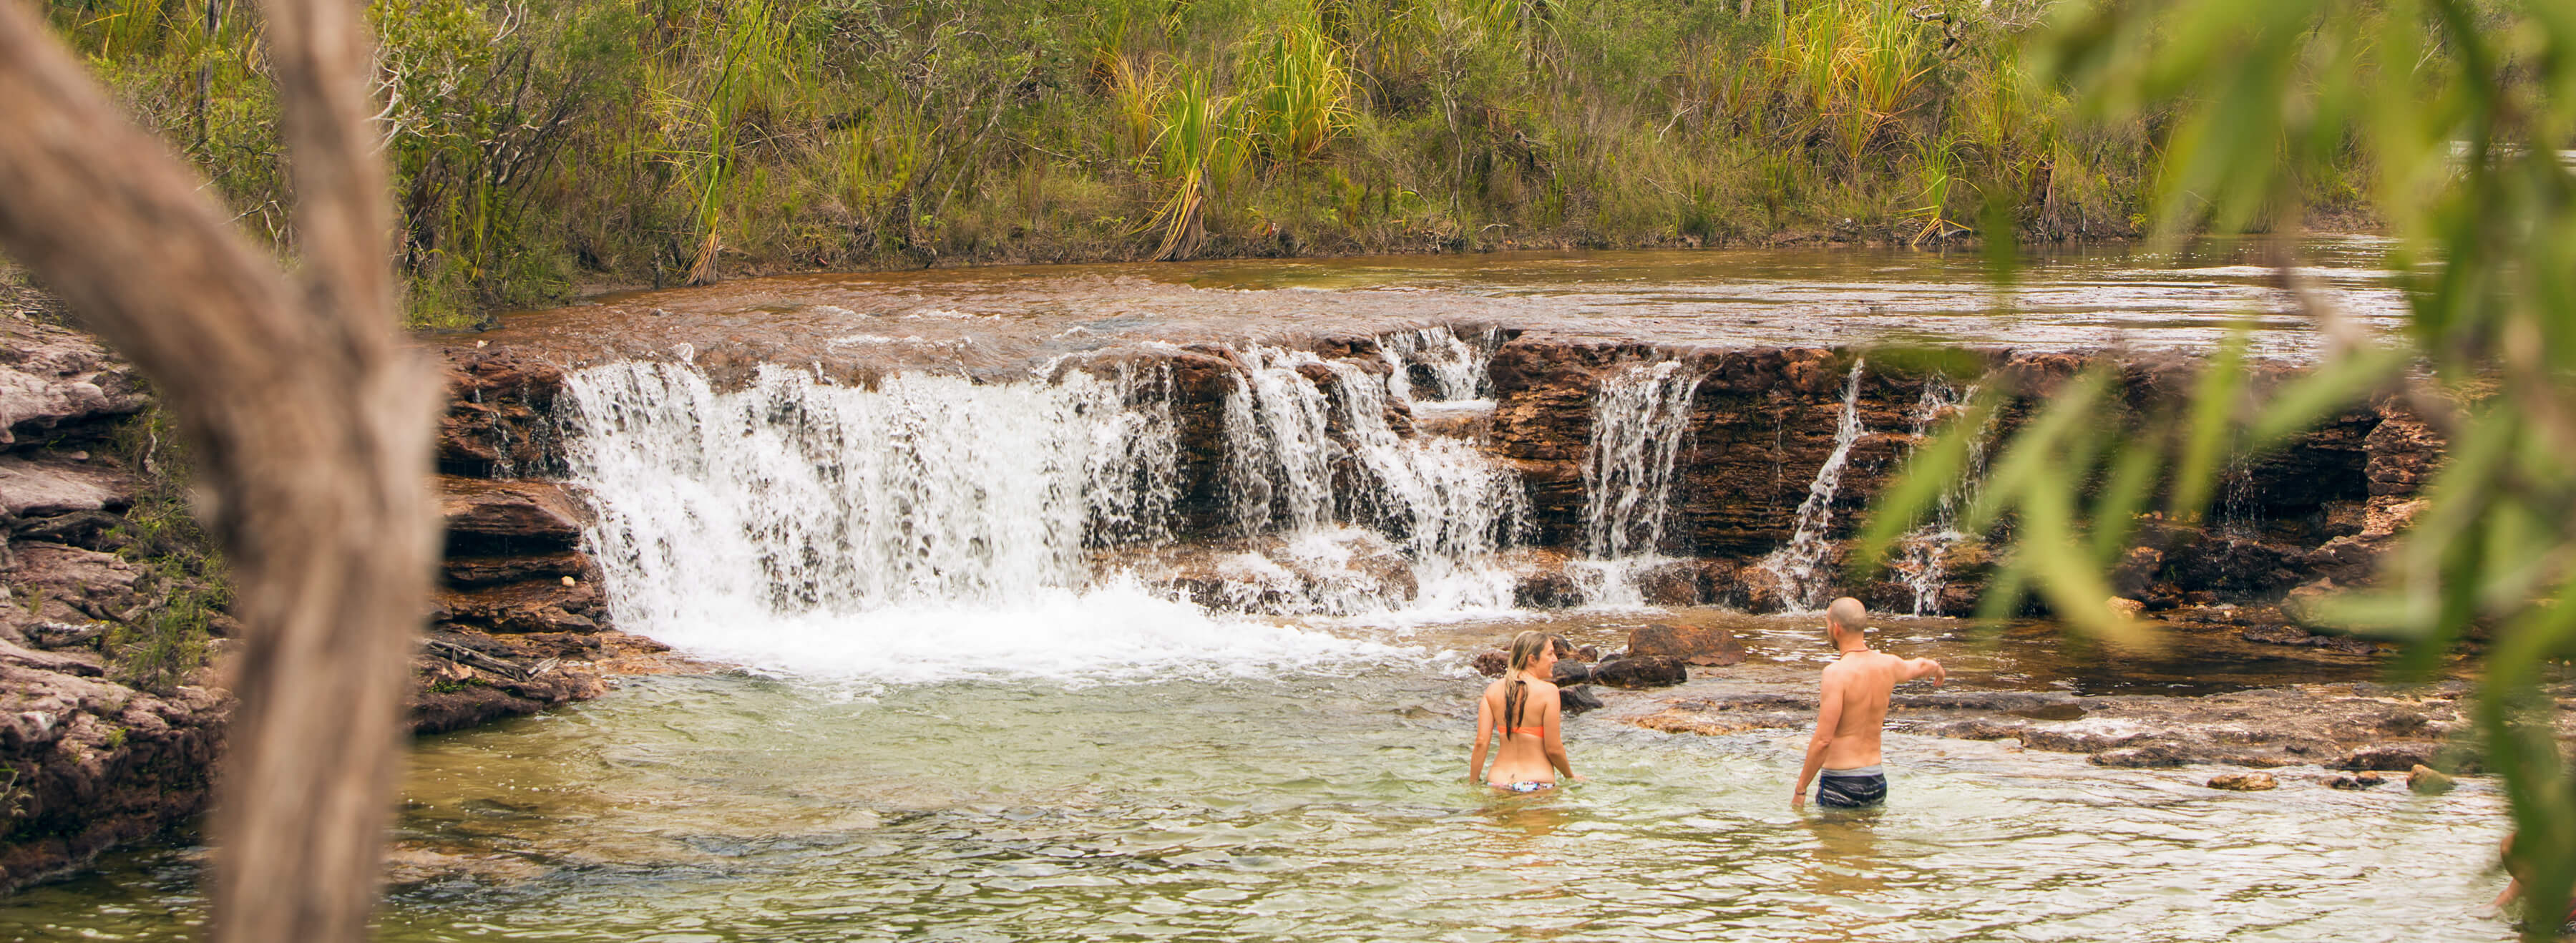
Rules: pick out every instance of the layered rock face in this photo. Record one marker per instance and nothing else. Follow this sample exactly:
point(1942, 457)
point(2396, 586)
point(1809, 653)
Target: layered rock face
point(95, 751)
point(1704, 475)
point(1637, 473)
point(86, 762)
point(517, 622)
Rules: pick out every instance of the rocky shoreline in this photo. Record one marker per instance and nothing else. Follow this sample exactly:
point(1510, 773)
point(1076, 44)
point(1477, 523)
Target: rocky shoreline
point(92, 755)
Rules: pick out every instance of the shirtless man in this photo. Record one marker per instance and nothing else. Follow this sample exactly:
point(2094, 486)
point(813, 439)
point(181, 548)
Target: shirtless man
point(1849, 715)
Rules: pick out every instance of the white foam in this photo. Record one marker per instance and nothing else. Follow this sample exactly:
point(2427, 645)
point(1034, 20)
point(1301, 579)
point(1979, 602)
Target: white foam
point(1111, 633)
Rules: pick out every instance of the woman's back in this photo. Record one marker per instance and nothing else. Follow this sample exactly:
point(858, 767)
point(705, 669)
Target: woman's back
point(1523, 712)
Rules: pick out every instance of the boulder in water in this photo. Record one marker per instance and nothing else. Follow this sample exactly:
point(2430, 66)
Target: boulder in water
point(1639, 671)
point(2361, 780)
point(1493, 663)
point(2427, 781)
point(2392, 757)
point(1695, 644)
point(2139, 757)
point(1577, 698)
point(2244, 782)
point(1545, 589)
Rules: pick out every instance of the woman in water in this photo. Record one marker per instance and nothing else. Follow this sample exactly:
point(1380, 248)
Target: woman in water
point(1523, 708)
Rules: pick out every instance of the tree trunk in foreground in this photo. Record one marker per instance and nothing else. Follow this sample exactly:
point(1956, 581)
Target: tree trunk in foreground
point(310, 423)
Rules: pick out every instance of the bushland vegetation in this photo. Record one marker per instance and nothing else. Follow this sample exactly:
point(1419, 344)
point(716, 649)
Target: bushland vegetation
point(542, 144)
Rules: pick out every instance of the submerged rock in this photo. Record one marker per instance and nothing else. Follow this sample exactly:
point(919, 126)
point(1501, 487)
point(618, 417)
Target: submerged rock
point(2425, 780)
point(1695, 644)
point(2365, 779)
point(1639, 671)
point(2391, 757)
point(2244, 782)
point(1577, 698)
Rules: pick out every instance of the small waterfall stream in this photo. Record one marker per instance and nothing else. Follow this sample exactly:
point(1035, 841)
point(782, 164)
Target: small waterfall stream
point(1922, 555)
point(1798, 563)
point(1640, 416)
point(1441, 502)
point(1455, 363)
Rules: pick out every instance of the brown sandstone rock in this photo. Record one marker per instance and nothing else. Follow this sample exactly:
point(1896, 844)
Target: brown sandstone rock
point(2425, 780)
point(2362, 780)
point(75, 585)
point(533, 606)
point(1577, 698)
point(1640, 671)
point(48, 486)
point(54, 379)
point(468, 572)
point(2243, 782)
point(508, 517)
point(2403, 453)
point(2394, 756)
point(1693, 644)
point(96, 765)
point(500, 414)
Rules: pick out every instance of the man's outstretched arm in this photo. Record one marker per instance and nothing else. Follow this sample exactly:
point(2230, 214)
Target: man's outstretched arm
point(1921, 667)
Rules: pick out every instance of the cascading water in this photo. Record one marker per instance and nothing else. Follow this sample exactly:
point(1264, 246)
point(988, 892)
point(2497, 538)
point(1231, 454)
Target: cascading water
point(1439, 503)
point(1922, 555)
point(1454, 363)
point(1797, 565)
point(1640, 416)
point(1279, 453)
point(929, 528)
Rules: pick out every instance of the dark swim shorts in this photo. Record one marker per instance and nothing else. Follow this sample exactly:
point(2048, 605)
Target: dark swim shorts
point(1851, 788)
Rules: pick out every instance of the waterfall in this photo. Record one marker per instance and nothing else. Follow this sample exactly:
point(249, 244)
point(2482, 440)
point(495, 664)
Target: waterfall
point(928, 529)
point(1922, 554)
point(1796, 564)
point(1279, 454)
point(807, 495)
point(1441, 503)
point(1455, 364)
point(1640, 416)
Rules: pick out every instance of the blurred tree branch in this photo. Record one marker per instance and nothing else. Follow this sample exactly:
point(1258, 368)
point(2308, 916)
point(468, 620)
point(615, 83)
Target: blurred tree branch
point(310, 417)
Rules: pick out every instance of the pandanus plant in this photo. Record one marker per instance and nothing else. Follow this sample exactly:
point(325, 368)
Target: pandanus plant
point(1198, 142)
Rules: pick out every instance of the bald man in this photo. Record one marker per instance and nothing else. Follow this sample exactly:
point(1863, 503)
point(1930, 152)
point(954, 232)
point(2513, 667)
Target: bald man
point(1852, 711)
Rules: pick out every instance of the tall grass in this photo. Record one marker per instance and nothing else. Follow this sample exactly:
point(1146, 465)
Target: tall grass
point(541, 145)
point(1298, 91)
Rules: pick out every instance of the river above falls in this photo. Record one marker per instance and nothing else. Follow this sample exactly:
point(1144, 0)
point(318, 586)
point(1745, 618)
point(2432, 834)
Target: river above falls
point(1325, 802)
point(1000, 321)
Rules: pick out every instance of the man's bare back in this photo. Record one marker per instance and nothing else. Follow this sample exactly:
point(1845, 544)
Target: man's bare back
point(1851, 712)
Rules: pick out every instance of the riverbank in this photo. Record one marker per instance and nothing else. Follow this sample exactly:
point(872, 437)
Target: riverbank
point(536, 148)
point(113, 629)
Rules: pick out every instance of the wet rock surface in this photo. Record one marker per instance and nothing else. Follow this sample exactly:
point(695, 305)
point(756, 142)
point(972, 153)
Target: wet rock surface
point(2244, 782)
point(1702, 645)
point(89, 760)
point(2349, 727)
point(1761, 422)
